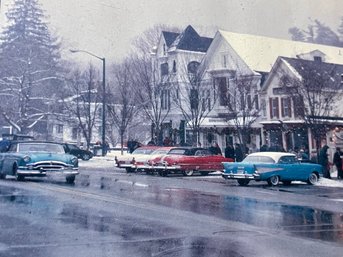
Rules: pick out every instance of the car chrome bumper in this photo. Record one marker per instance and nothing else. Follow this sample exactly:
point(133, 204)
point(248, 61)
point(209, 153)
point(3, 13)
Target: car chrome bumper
point(166, 167)
point(241, 176)
point(26, 172)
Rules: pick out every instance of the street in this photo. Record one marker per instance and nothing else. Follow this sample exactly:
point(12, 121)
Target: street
point(108, 212)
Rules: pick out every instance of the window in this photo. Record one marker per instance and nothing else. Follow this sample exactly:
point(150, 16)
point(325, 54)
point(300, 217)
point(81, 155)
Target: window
point(288, 160)
point(164, 49)
point(74, 133)
point(286, 107)
point(224, 61)
point(317, 58)
point(59, 129)
point(249, 102)
point(164, 69)
point(256, 102)
point(274, 107)
point(165, 99)
point(223, 91)
point(194, 99)
point(299, 107)
point(192, 67)
point(174, 66)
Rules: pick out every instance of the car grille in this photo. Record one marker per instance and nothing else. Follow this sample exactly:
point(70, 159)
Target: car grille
point(49, 165)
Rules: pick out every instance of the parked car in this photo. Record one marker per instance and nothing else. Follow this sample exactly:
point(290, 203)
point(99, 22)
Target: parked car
point(128, 160)
point(143, 162)
point(77, 151)
point(37, 159)
point(272, 167)
point(187, 160)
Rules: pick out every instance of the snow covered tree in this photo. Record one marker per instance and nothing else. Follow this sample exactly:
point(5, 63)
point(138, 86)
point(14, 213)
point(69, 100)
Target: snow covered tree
point(29, 57)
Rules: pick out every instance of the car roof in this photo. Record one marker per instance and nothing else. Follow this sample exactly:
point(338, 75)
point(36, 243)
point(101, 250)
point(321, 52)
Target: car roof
point(275, 155)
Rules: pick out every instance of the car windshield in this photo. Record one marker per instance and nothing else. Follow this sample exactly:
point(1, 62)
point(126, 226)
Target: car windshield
point(40, 147)
point(160, 151)
point(258, 159)
point(143, 151)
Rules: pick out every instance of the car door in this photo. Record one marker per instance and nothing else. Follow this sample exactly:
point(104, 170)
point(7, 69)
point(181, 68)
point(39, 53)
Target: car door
point(288, 170)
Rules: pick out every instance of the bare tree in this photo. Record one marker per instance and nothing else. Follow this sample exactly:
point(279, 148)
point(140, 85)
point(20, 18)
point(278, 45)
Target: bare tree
point(148, 92)
point(315, 93)
point(239, 96)
point(193, 96)
point(82, 100)
point(122, 112)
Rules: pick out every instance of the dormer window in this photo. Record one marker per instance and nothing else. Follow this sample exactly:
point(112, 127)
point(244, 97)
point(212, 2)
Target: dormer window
point(164, 49)
point(317, 59)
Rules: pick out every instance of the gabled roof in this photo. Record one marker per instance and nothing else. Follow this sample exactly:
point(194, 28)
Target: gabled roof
point(190, 40)
point(169, 37)
point(260, 53)
point(308, 69)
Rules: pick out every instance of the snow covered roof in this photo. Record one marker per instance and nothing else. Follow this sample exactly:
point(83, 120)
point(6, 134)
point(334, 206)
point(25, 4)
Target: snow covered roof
point(260, 53)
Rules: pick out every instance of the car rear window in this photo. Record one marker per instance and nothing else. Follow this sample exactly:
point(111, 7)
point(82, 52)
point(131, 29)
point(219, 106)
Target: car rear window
point(258, 159)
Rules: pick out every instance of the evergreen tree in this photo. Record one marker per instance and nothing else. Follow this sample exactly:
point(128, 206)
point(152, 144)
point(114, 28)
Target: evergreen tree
point(317, 33)
point(29, 57)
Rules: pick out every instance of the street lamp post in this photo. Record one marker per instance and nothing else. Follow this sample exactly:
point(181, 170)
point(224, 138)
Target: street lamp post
point(103, 140)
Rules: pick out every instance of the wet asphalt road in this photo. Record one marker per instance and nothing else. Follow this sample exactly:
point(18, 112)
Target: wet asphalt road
point(108, 212)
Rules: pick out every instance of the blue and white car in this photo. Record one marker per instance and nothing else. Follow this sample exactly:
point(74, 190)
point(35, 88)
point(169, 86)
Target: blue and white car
point(37, 159)
point(272, 167)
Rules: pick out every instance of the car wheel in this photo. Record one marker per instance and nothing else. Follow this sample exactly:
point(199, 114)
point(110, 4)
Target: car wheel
point(273, 180)
point(188, 172)
point(86, 157)
point(2, 176)
point(243, 182)
point(312, 179)
point(70, 179)
point(18, 177)
point(163, 173)
point(129, 170)
point(287, 182)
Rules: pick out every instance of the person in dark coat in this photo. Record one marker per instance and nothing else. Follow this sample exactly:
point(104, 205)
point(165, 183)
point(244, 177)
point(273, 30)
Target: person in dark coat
point(337, 160)
point(324, 161)
point(215, 149)
point(238, 153)
point(229, 152)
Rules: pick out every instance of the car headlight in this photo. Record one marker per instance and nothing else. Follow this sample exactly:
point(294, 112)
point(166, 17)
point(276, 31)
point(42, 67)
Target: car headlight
point(74, 160)
point(27, 158)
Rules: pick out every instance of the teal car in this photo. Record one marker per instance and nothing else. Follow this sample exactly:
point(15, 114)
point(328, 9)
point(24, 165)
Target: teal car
point(37, 159)
point(273, 167)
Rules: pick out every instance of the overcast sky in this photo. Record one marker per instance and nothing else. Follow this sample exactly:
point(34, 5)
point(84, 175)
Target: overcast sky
point(106, 27)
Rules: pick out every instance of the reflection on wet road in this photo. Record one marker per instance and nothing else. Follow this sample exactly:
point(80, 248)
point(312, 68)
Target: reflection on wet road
point(71, 223)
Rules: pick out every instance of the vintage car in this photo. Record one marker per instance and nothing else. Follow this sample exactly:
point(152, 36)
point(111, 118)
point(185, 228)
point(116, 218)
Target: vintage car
point(37, 159)
point(187, 160)
point(272, 167)
point(128, 161)
point(77, 151)
point(143, 162)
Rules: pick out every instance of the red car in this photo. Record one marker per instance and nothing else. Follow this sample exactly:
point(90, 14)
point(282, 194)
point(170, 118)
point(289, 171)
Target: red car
point(187, 160)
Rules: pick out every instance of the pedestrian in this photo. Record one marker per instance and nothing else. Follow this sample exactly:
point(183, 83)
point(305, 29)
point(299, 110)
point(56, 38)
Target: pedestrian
point(324, 161)
point(337, 160)
point(229, 152)
point(238, 153)
point(215, 149)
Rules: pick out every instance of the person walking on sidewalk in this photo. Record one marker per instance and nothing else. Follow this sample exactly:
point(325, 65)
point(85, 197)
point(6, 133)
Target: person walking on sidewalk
point(337, 160)
point(324, 161)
